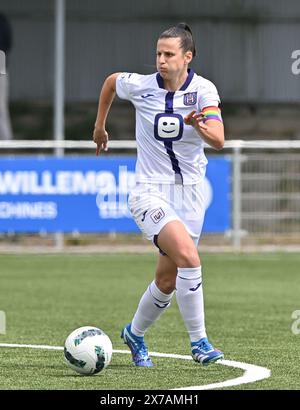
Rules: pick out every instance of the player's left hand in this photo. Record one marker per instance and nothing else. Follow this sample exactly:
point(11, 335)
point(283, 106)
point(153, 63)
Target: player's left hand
point(195, 120)
point(100, 137)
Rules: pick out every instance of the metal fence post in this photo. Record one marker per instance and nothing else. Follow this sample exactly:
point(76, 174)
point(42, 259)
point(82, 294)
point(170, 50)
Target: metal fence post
point(59, 70)
point(59, 90)
point(236, 198)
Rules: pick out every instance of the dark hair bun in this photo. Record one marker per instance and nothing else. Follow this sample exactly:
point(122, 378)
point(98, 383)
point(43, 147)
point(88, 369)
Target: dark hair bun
point(185, 27)
point(183, 31)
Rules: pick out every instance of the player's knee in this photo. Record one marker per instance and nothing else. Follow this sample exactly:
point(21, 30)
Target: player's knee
point(187, 258)
point(166, 284)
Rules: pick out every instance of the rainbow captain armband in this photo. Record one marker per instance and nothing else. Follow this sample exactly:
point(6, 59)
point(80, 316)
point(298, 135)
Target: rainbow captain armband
point(212, 113)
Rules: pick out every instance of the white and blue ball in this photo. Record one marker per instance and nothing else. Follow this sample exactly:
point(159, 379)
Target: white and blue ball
point(88, 350)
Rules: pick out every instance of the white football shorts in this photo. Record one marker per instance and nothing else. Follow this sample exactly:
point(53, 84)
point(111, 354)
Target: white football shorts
point(154, 205)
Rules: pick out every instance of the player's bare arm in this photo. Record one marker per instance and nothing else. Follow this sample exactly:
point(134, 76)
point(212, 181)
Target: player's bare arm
point(107, 95)
point(211, 131)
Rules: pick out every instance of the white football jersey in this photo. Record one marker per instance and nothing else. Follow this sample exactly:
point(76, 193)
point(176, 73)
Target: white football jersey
point(168, 151)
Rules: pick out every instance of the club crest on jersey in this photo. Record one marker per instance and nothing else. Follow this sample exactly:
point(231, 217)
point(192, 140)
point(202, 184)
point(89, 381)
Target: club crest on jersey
point(190, 98)
point(157, 215)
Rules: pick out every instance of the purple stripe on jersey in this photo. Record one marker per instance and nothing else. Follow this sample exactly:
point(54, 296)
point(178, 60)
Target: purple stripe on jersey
point(169, 110)
point(169, 102)
point(169, 144)
point(174, 162)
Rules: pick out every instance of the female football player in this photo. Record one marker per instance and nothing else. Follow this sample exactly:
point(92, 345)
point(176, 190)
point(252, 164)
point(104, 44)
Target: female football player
point(176, 112)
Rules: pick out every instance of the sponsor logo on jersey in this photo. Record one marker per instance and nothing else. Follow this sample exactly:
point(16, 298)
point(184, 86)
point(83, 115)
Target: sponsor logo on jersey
point(157, 215)
point(124, 75)
point(147, 95)
point(168, 127)
point(190, 98)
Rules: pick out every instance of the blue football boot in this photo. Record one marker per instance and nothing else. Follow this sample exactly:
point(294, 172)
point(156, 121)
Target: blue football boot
point(137, 346)
point(204, 352)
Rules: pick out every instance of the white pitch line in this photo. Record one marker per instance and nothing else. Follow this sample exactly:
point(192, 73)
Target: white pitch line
point(252, 373)
point(32, 346)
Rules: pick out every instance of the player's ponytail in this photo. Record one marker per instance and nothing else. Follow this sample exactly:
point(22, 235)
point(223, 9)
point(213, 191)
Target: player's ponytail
point(184, 26)
point(184, 32)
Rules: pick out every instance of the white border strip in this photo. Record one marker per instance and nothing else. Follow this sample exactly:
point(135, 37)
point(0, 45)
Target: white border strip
point(131, 144)
point(252, 373)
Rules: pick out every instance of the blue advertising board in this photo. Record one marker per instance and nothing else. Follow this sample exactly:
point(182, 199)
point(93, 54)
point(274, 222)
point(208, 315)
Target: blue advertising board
point(87, 194)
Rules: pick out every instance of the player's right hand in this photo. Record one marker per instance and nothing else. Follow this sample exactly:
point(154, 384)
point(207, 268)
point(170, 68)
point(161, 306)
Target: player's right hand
point(196, 120)
point(100, 137)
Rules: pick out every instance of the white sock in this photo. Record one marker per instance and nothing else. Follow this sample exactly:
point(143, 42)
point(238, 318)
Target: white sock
point(189, 297)
point(152, 304)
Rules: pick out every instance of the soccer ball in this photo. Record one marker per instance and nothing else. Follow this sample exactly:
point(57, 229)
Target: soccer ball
point(88, 350)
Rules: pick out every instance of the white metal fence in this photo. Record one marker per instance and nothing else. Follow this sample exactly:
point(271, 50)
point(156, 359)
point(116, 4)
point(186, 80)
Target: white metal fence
point(270, 192)
point(265, 181)
point(266, 189)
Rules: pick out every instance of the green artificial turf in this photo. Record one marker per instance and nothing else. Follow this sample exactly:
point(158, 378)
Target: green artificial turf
point(249, 300)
